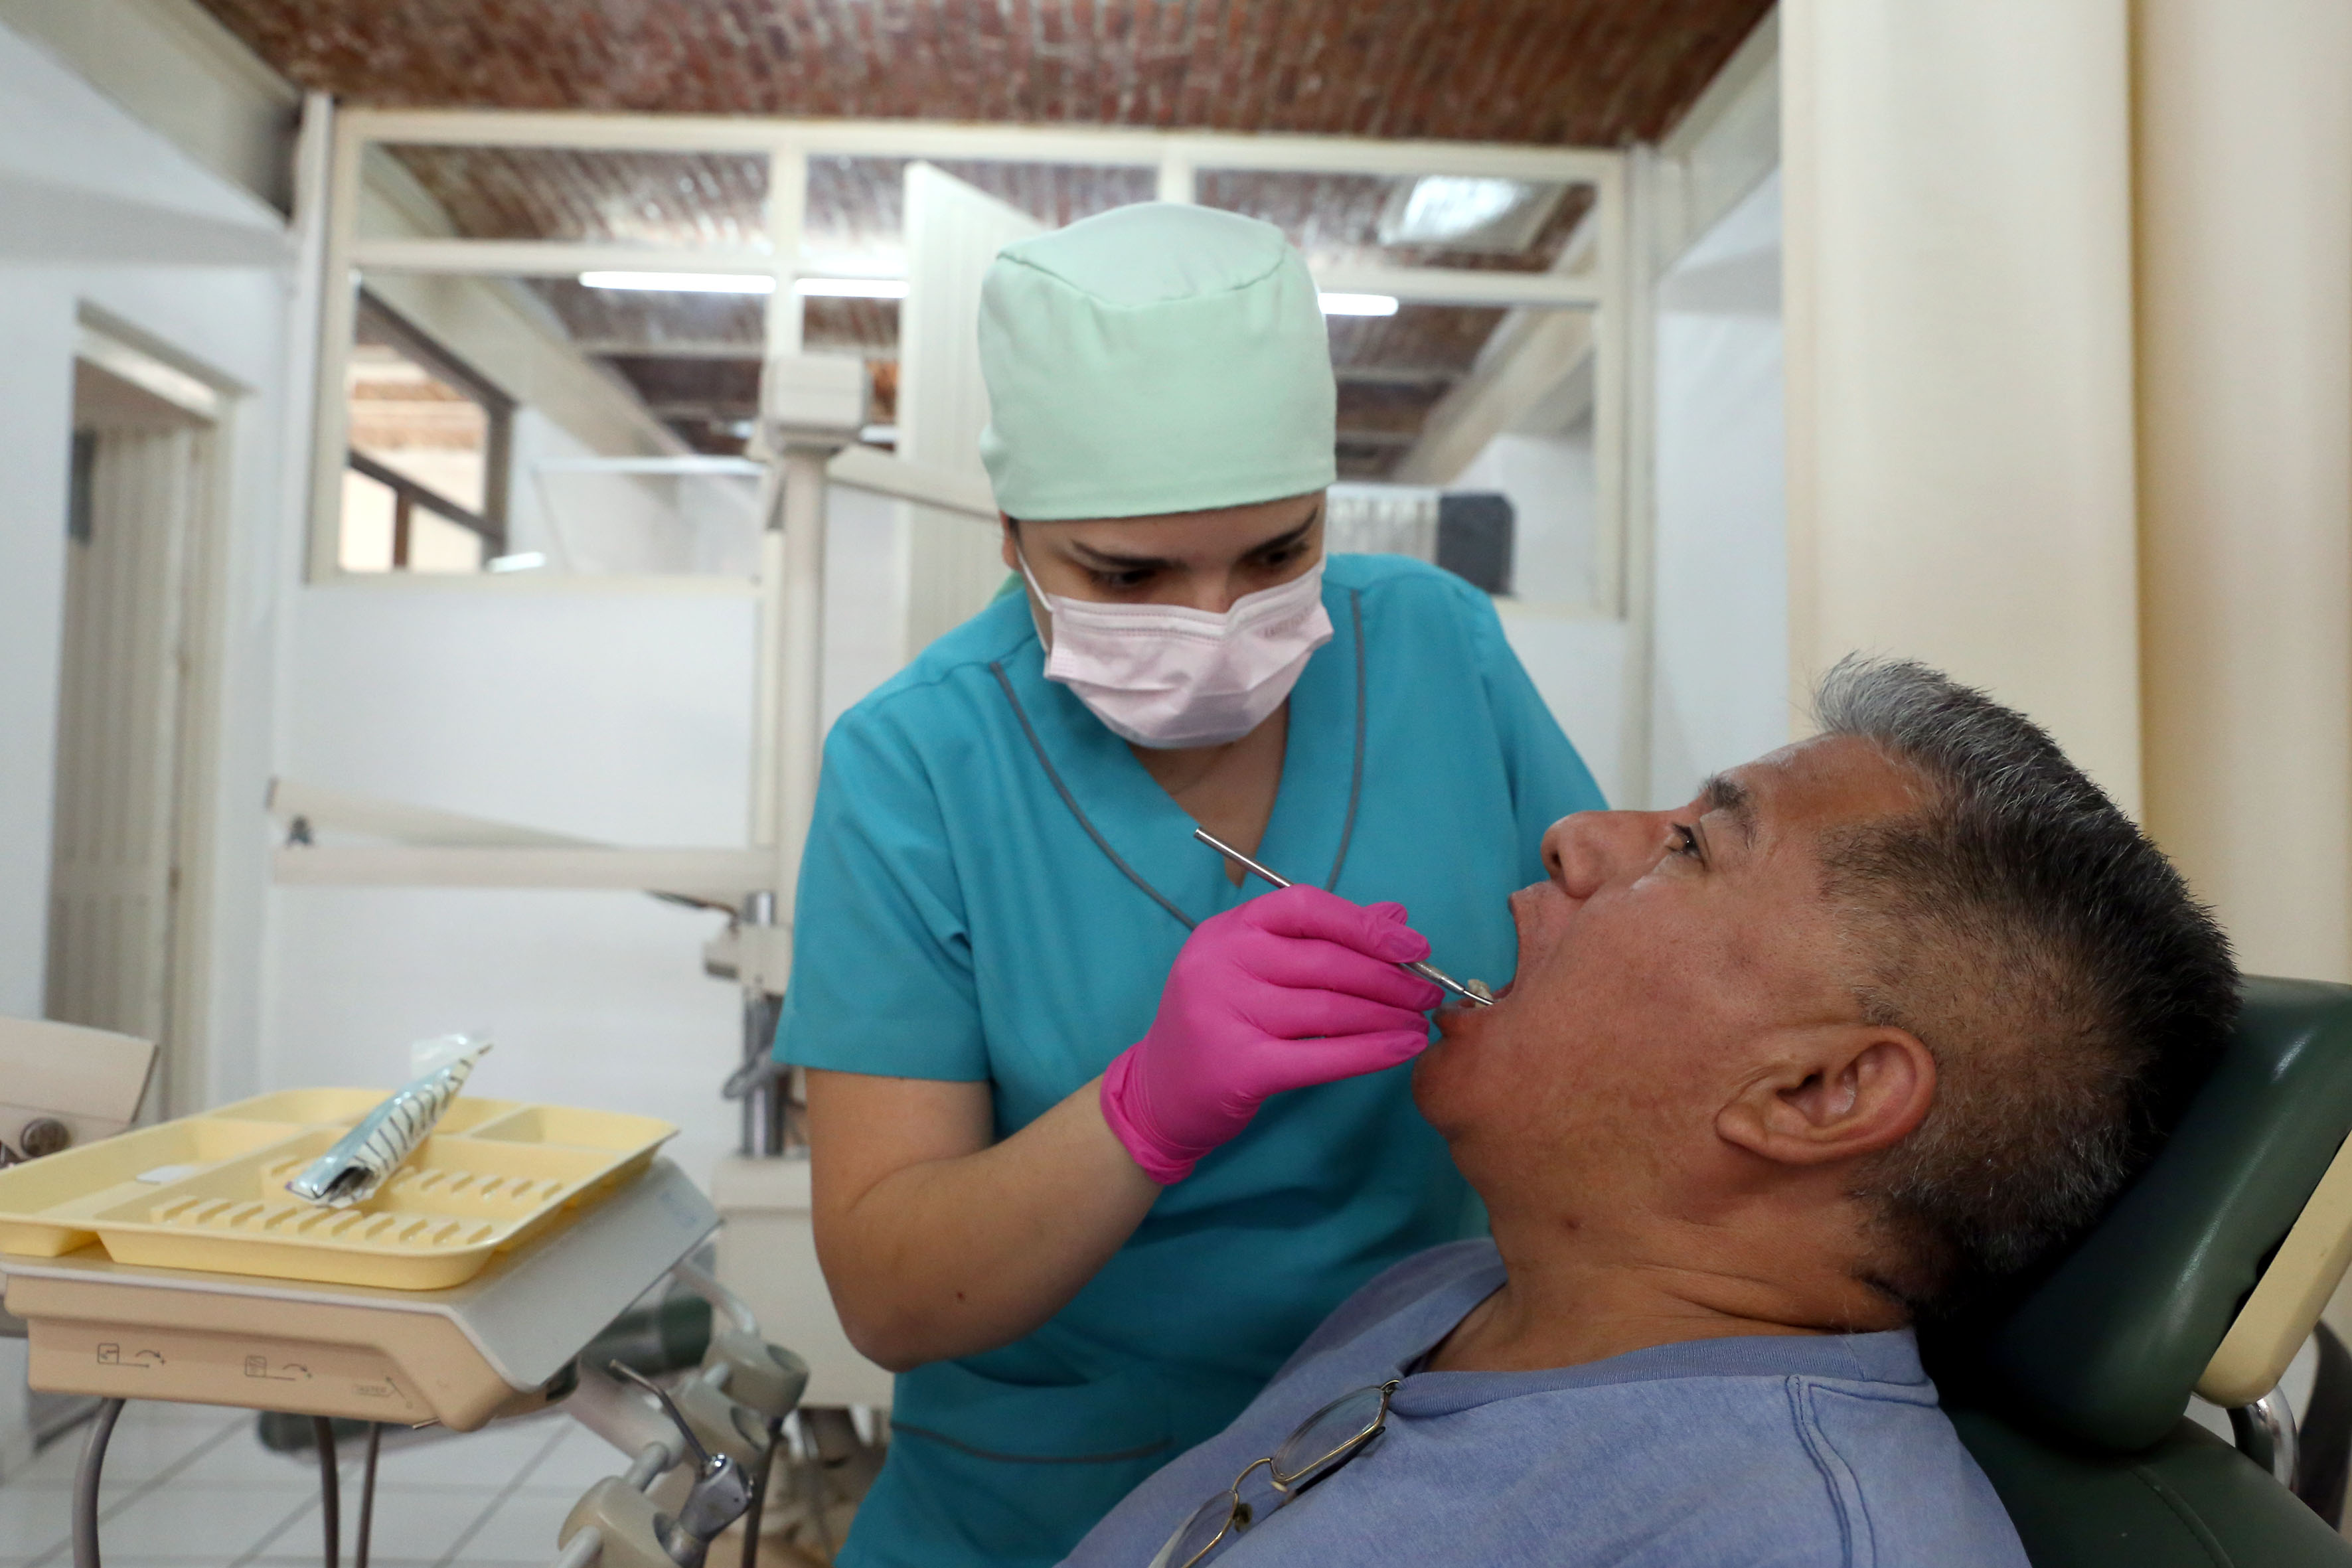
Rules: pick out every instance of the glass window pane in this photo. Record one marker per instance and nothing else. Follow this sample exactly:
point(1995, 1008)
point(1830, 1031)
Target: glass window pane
point(1339, 220)
point(715, 200)
point(615, 418)
point(365, 543)
point(425, 427)
point(436, 544)
point(417, 424)
point(1392, 372)
point(856, 219)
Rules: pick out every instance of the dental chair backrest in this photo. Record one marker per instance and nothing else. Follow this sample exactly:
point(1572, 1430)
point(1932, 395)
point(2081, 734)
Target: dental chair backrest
point(2209, 1274)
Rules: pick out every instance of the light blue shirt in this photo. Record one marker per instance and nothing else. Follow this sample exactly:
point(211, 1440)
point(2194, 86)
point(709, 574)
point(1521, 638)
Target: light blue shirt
point(1788, 1449)
point(992, 893)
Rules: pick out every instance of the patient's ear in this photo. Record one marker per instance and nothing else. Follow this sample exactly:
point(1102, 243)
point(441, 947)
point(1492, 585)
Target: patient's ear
point(1836, 1093)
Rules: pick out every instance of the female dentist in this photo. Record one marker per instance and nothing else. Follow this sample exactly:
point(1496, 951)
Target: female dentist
point(1100, 1133)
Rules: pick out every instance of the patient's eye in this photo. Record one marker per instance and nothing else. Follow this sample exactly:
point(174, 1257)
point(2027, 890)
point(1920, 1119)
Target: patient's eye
point(1686, 842)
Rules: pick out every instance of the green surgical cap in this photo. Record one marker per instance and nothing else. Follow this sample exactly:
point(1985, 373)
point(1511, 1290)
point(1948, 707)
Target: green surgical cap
point(1155, 358)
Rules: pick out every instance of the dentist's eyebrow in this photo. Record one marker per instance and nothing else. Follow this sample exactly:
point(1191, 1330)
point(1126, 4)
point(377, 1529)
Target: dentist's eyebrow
point(1112, 559)
point(1284, 540)
point(1734, 800)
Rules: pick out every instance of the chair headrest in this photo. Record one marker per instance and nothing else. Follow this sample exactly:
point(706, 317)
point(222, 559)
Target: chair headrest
point(2107, 1348)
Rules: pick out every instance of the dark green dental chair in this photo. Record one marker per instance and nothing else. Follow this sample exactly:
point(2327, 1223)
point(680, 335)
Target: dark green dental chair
point(2208, 1275)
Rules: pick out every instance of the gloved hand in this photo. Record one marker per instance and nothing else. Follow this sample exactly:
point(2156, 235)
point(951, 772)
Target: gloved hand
point(1298, 987)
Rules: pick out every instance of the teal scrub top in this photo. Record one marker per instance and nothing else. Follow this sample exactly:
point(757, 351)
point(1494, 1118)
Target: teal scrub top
point(993, 891)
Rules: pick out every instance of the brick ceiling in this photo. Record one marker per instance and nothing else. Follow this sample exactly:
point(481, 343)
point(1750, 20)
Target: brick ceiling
point(1592, 73)
point(1551, 72)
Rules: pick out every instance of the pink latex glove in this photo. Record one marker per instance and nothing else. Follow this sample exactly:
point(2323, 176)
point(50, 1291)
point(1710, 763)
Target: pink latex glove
point(1298, 987)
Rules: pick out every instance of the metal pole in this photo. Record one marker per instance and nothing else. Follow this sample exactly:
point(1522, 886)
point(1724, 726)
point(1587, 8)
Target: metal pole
point(765, 1098)
point(85, 1499)
point(2266, 1434)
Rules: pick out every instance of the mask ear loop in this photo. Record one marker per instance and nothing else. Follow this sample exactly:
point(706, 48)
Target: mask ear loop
point(1021, 558)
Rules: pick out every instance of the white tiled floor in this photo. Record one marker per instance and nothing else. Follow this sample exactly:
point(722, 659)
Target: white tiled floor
point(189, 1484)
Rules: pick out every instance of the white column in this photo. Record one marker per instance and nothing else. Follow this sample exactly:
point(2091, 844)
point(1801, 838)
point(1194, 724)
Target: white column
point(1960, 353)
point(799, 664)
point(2244, 218)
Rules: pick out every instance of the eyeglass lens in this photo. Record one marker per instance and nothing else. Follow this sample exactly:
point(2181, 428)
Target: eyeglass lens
point(1223, 1515)
point(1321, 1443)
point(1327, 1436)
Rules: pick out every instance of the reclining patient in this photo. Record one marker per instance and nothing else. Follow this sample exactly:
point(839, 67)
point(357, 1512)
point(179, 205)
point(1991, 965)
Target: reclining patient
point(1874, 1021)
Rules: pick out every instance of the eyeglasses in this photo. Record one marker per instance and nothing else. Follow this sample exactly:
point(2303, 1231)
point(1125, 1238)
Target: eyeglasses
point(1322, 1443)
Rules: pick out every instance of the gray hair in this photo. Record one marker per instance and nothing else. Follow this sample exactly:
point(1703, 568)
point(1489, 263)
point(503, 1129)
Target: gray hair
point(2071, 991)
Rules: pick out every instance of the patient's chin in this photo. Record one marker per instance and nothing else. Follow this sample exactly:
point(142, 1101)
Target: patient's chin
point(1443, 1079)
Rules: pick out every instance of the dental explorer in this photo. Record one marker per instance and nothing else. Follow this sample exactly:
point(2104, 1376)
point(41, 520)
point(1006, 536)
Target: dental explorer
point(1474, 992)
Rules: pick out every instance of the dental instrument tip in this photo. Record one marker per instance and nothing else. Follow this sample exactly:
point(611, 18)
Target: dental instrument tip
point(1476, 993)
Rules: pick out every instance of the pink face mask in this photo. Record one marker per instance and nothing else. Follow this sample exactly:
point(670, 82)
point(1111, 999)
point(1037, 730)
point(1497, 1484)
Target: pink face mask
point(1164, 676)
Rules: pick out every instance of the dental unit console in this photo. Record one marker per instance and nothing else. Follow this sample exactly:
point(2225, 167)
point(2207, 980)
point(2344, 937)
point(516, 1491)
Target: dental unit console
point(171, 1262)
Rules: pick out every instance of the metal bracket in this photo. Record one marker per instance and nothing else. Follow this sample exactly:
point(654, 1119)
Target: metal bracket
point(2265, 1434)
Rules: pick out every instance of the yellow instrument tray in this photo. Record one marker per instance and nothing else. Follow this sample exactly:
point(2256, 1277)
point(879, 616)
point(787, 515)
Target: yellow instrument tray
point(209, 1191)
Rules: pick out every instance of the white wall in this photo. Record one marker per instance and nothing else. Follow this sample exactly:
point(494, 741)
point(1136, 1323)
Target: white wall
point(1578, 665)
point(616, 712)
point(615, 715)
point(174, 66)
point(865, 595)
point(102, 213)
point(585, 522)
point(1718, 681)
point(1720, 671)
point(1551, 479)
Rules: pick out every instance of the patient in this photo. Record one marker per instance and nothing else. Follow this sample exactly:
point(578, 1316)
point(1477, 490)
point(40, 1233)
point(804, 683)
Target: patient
point(1872, 1023)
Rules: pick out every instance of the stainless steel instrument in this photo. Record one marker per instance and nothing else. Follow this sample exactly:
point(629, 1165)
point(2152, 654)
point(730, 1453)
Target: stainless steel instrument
point(364, 1158)
point(1474, 992)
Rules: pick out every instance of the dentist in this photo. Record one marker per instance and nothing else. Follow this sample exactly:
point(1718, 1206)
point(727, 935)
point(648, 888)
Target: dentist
point(1100, 1132)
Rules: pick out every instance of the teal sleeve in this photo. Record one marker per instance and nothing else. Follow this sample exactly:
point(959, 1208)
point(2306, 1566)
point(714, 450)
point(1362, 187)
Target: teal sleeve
point(1549, 778)
point(882, 974)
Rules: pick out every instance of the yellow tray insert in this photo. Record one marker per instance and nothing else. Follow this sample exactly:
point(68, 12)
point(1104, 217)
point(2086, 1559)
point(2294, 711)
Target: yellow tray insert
point(209, 1191)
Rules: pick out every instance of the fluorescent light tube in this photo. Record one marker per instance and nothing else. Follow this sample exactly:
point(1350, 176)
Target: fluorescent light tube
point(1358, 304)
point(747, 283)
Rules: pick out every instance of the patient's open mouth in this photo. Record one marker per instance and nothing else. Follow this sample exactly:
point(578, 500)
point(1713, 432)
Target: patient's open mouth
point(1457, 1013)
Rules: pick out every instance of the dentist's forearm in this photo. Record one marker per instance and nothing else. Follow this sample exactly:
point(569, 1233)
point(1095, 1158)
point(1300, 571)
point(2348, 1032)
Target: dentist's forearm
point(938, 1241)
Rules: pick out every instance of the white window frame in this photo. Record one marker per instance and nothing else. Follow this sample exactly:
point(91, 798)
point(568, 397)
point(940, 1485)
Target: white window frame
point(1593, 275)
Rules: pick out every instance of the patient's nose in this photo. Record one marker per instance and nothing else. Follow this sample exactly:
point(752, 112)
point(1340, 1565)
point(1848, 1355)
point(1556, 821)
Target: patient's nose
point(1582, 852)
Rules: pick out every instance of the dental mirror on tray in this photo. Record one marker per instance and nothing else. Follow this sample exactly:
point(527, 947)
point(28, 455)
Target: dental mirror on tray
point(1474, 991)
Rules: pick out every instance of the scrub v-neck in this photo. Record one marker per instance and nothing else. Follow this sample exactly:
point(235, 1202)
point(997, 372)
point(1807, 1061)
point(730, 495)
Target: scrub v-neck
point(1315, 800)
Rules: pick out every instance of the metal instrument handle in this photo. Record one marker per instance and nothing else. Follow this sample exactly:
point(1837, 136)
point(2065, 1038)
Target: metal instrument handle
point(703, 1460)
point(1428, 972)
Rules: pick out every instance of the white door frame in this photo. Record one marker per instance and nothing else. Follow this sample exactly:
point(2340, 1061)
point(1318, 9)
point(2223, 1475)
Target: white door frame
point(184, 1070)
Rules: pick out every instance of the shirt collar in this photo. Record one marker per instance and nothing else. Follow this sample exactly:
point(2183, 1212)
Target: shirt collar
point(1890, 1357)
